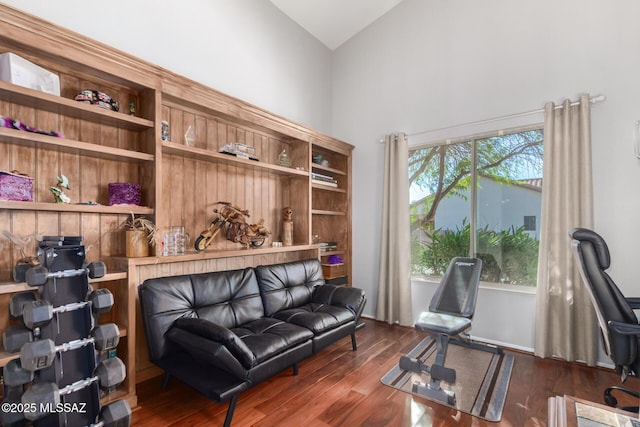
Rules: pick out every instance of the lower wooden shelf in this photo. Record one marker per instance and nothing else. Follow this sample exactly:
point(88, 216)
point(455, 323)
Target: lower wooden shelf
point(13, 287)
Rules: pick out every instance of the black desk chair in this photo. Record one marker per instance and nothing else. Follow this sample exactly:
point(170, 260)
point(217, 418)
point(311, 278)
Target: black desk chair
point(618, 323)
point(448, 321)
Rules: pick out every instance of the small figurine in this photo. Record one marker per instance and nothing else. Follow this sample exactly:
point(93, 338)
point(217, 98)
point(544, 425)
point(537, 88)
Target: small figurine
point(283, 159)
point(189, 136)
point(58, 193)
point(287, 226)
point(132, 108)
point(165, 130)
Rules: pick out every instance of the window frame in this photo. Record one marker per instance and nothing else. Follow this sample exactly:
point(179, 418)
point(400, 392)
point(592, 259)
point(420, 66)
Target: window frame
point(472, 139)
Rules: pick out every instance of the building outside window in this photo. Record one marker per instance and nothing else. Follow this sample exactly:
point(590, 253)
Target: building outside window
point(478, 196)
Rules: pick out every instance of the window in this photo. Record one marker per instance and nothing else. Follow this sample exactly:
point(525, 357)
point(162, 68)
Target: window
point(530, 222)
point(486, 184)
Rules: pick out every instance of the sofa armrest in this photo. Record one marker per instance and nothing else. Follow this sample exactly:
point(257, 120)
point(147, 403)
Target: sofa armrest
point(350, 298)
point(205, 351)
point(219, 334)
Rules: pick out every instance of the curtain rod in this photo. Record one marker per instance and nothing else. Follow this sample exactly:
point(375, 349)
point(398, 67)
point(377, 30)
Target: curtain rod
point(592, 100)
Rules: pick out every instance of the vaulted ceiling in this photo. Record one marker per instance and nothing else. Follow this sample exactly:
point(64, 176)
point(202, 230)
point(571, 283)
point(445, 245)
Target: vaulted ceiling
point(333, 22)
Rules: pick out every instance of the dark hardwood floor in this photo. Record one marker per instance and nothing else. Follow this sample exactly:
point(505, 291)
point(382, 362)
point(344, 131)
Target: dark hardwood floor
point(340, 387)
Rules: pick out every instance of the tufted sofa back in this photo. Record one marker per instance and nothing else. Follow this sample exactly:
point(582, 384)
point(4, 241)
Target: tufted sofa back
point(288, 285)
point(227, 298)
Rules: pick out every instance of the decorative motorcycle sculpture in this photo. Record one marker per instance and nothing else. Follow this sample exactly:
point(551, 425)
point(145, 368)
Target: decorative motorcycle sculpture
point(230, 219)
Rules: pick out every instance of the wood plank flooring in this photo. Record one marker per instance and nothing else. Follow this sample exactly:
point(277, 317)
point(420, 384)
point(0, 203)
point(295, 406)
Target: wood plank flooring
point(340, 387)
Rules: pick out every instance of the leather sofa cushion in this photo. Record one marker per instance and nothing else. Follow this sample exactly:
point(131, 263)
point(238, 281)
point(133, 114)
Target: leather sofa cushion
point(288, 285)
point(318, 318)
point(237, 350)
point(267, 337)
point(226, 298)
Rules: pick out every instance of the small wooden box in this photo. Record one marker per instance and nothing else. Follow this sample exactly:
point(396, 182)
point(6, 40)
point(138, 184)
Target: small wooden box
point(330, 271)
point(16, 187)
point(124, 193)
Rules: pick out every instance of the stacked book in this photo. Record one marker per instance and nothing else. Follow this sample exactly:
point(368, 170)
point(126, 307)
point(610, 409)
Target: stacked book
point(327, 180)
point(328, 246)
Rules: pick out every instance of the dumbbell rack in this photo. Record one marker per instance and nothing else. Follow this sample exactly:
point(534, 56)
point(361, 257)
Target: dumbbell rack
point(64, 366)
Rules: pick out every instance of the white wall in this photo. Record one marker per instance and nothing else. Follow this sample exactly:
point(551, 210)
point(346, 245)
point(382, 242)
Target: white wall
point(245, 48)
point(430, 64)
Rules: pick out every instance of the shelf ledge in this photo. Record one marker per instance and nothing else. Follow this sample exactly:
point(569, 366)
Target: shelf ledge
point(328, 188)
point(69, 107)
point(67, 207)
point(31, 139)
point(323, 212)
point(219, 253)
point(212, 156)
point(13, 287)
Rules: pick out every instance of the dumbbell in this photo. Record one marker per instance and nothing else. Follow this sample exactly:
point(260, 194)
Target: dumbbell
point(116, 414)
point(38, 276)
point(40, 312)
point(9, 418)
point(14, 337)
point(40, 354)
point(46, 395)
point(14, 375)
point(17, 302)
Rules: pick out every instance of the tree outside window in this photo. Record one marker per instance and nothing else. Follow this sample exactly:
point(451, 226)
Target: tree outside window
point(486, 184)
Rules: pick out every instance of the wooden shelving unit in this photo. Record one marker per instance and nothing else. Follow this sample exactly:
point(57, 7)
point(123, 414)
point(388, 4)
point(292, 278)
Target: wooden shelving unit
point(181, 184)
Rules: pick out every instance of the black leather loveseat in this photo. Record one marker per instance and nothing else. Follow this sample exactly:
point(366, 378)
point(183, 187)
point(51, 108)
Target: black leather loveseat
point(223, 332)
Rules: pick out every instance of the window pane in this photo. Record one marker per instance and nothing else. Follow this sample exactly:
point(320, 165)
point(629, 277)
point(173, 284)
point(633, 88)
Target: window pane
point(509, 191)
point(439, 179)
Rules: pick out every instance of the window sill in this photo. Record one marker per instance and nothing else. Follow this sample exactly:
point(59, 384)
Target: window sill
point(530, 290)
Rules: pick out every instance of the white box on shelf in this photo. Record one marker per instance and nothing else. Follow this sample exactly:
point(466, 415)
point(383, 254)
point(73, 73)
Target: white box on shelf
point(17, 70)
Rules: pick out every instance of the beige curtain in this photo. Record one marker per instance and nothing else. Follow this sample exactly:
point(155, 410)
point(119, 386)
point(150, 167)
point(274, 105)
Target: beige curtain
point(394, 286)
point(565, 320)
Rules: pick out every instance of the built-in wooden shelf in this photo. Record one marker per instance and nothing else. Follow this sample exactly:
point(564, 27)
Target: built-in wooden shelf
point(328, 188)
point(329, 253)
point(36, 140)
point(216, 254)
point(57, 104)
point(212, 156)
point(324, 212)
point(68, 207)
point(13, 287)
point(327, 169)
